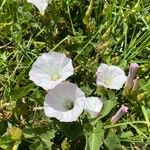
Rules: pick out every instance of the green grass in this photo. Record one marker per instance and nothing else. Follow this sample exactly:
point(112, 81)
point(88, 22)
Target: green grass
point(114, 32)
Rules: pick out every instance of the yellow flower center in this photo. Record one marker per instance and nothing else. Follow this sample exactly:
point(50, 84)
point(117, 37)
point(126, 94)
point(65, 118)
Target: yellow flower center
point(107, 82)
point(55, 77)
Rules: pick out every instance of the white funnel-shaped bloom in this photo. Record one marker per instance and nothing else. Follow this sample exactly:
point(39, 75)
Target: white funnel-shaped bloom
point(65, 102)
point(50, 69)
point(110, 76)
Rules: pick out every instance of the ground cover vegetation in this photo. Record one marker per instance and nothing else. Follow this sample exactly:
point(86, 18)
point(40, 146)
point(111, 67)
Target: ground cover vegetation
point(93, 34)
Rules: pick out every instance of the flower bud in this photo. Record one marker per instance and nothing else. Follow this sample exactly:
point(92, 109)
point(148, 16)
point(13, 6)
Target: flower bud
point(132, 72)
point(121, 112)
point(142, 96)
point(135, 84)
point(88, 13)
point(106, 9)
point(65, 145)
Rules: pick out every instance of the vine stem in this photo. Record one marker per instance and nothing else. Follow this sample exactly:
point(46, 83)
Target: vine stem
point(146, 117)
point(67, 37)
point(125, 123)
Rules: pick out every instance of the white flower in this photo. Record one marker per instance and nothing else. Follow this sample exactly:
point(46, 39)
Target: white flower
point(111, 76)
point(50, 69)
point(65, 102)
point(40, 4)
point(93, 106)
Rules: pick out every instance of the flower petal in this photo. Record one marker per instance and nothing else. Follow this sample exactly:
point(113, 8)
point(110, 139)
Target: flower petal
point(101, 72)
point(118, 77)
point(93, 106)
point(117, 82)
point(40, 4)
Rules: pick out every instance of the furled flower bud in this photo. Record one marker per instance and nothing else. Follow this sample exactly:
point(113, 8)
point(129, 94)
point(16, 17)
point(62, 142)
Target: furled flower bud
point(132, 72)
point(142, 96)
point(65, 144)
point(135, 84)
point(121, 112)
point(106, 8)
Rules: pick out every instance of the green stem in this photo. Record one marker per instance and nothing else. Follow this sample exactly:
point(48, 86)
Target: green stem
point(125, 123)
point(146, 117)
point(60, 42)
point(73, 30)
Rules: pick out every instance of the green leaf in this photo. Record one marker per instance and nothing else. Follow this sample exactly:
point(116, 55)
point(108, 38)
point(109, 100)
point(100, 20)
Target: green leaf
point(112, 95)
point(107, 107)
point(40, 135)
point(21, 91)
point(46, 138)
point(94, 136)
point(101, 91)
point(3, 127)
point(71, 130)
point(5, 140)
point(126, 134)
point(87, 90)
point(144, 85)
point(30, 132)
point(112, 141)
point(37, 145)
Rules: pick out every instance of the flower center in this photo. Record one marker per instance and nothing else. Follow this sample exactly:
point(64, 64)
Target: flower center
point(69, 105)
point(55, 77)
point(107, 82)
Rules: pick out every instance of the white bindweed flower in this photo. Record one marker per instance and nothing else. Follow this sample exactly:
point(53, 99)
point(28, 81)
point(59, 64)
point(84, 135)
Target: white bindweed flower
point(93, 106)
point(110, 76)
point(65, 102)
point(40, 4)
point(50, 69)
